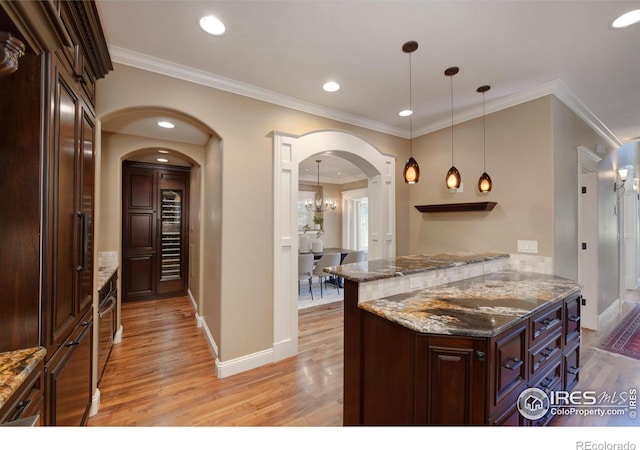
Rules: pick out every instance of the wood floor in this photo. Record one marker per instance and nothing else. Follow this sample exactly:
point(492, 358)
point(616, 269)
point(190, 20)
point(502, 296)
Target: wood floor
point(163, 374)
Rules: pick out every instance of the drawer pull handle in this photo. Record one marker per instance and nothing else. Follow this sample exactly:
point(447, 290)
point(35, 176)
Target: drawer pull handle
point(516, 364)
point(480, 355)
point(547, 384)
point(573, 370)
point(546, 352)
point(574, 318)
point(22, 407)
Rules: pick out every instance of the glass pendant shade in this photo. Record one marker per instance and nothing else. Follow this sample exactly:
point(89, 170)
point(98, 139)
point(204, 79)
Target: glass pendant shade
point(411, 171)
point(453, 178)
point(484, 183)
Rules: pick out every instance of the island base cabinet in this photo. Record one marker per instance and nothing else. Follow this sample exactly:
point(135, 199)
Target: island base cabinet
point(450, 380)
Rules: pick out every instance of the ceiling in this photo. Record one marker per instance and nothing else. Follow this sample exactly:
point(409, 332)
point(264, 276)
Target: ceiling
point(283, 51)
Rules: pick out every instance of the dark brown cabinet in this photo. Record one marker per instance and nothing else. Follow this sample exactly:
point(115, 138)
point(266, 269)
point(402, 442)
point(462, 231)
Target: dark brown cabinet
point(414, 378)
point(154, 230)
point(48, 188)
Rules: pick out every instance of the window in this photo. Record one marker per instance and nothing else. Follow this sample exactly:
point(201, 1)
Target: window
point(305, 217)
point(355, 219)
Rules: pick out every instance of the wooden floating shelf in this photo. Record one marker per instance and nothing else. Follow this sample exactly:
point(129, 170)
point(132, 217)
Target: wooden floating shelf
point(451, 207)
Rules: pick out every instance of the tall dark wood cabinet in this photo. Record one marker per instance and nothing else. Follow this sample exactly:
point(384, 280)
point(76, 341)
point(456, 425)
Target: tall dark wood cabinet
point(155, 211)
point(46, 238)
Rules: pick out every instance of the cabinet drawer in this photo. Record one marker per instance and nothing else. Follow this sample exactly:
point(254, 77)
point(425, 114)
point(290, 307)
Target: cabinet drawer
point(28, 400)
point(543, 354)
point(510, 417)
point(571, 366)
point(545, 323)
point(572, 319)
point(509, 353)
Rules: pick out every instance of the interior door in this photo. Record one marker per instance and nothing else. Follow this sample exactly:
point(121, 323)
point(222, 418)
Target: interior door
point(154, 230)
point(139, 243)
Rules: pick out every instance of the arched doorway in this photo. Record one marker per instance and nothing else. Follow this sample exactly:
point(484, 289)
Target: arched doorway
point(288, 151)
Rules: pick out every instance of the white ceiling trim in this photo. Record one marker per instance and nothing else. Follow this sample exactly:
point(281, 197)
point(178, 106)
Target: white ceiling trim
point(141, 61)
point(556, 88)
point(164, 67)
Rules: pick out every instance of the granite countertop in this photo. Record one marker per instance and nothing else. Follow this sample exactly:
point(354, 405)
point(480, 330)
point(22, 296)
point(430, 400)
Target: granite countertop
point(15, 367)
point(482, 306)
point(405, 265)
point(104, 273)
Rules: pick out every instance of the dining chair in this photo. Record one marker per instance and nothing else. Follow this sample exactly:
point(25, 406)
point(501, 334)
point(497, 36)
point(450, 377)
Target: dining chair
point(354, 257)
point(326, 260)
point(305, 270)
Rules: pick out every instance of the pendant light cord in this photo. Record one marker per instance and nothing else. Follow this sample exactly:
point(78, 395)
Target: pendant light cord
point(484, 134)
point(411, 109)
point(451, 78)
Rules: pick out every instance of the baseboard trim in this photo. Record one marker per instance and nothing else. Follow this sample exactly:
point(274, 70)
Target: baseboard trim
point(95, 403)
point(244, 363)
point(117, 338)
point(609, 314)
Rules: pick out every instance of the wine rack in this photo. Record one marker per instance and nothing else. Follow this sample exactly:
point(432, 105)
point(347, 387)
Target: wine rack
point(171, 245)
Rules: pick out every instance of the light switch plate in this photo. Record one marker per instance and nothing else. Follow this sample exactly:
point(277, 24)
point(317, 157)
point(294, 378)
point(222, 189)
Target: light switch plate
point(527, 246)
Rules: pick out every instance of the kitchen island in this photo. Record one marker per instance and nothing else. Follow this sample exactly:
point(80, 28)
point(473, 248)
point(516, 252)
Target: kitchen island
point(454, 339)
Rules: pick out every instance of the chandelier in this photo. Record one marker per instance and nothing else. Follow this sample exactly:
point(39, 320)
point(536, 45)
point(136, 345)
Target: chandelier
point(321, 204)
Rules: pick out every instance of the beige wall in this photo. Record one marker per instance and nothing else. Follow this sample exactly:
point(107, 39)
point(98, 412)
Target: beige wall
point(519, 161)
point(243, 318)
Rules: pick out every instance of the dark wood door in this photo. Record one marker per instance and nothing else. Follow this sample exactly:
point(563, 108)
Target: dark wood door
point(450, 380)
point(20, 147)
point(154, 231)
point(62, 309)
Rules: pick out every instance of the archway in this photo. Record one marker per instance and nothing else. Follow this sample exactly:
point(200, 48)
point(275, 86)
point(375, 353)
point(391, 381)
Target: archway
point(288, 151)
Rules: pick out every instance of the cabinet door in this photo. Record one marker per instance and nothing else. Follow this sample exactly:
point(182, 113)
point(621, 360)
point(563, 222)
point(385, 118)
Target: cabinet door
point(84, 231)
point(450, 381)
point(20, 111)
point(61, 308)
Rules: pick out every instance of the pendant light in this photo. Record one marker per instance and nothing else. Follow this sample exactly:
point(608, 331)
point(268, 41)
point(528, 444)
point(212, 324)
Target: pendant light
point(484, 183)
point(453, 179)
point(411, 169)
point(320, 205)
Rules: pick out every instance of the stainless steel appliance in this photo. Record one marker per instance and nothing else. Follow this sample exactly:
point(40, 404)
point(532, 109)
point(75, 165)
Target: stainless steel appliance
point(106, 321)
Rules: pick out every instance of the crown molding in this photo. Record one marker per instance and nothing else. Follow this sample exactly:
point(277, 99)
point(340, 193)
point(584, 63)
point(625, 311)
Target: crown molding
point(163, 67)
point(556, 88)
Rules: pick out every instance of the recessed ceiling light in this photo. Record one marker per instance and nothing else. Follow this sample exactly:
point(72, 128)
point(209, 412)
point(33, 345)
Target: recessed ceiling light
point(331, 86)
point(627, 19)
point(405, 113)
point(162, 160)
point(166, 124)
point(212, 25)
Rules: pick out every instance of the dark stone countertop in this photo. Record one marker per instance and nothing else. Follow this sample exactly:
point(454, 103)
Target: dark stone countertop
point(15, 367)
point(482, 306)
point(406, 265)
point(104, 273)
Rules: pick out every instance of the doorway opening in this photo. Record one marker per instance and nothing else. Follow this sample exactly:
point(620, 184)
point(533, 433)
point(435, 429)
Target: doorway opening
point(288, 152)
point(155, 224)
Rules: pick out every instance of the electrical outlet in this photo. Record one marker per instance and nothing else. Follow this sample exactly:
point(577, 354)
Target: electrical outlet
point(527, 246)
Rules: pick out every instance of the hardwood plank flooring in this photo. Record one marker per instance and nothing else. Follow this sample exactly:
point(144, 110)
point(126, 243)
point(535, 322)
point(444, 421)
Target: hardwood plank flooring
point(163, 374)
